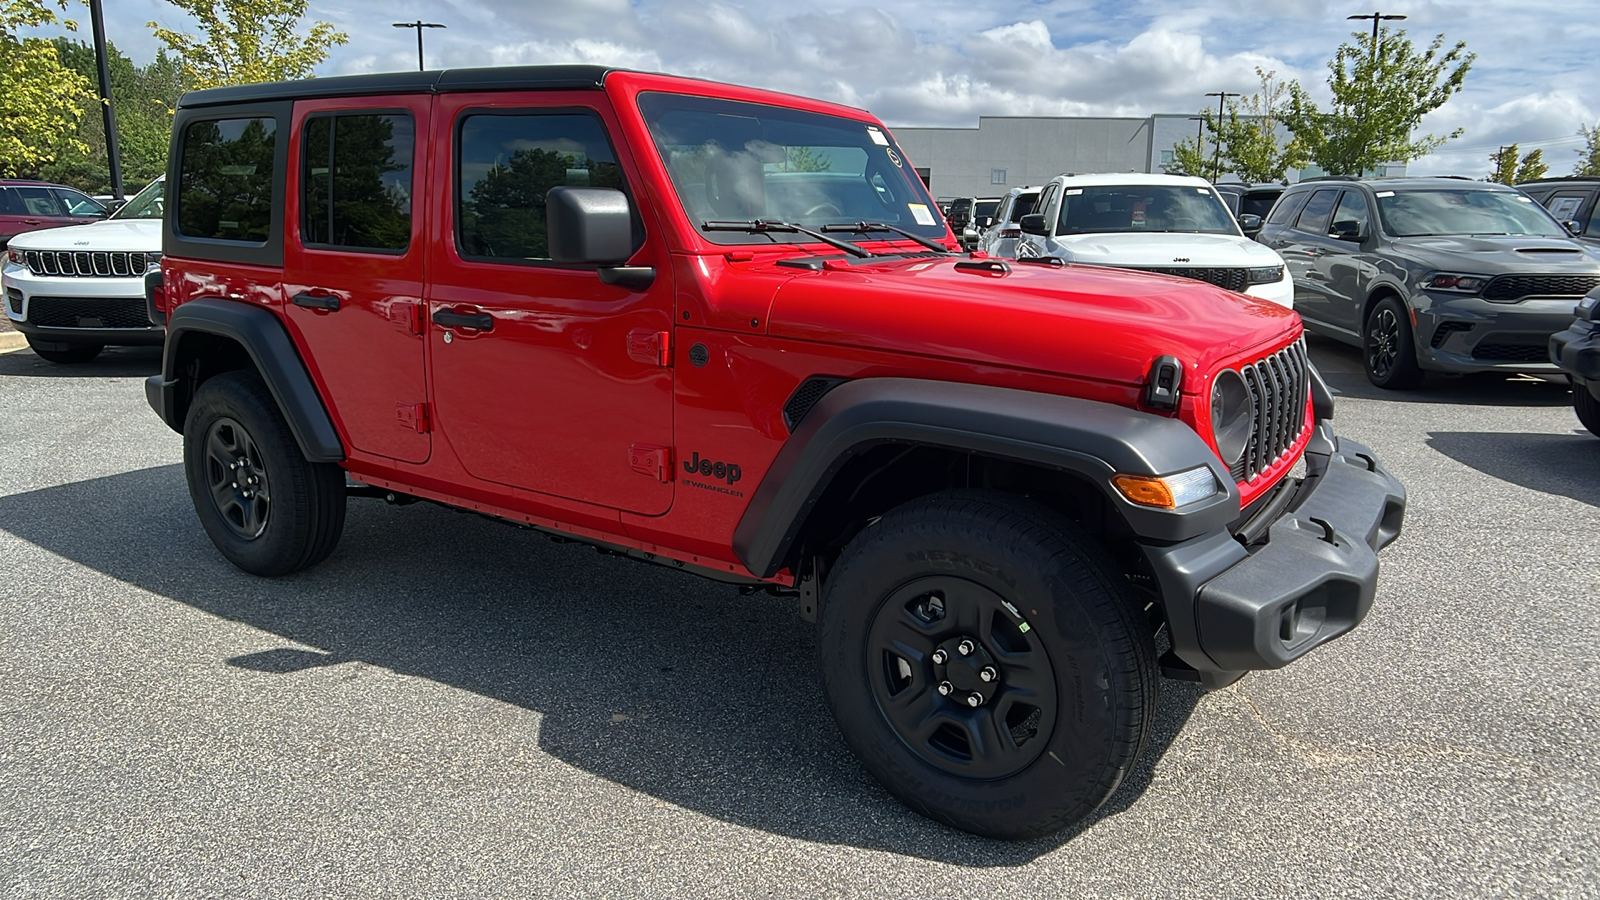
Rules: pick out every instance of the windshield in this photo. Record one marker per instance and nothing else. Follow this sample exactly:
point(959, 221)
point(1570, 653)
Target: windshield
point(746, 161)
point(146, 204)
point(1143, 208)
point(986, 209)
point(1419, 213)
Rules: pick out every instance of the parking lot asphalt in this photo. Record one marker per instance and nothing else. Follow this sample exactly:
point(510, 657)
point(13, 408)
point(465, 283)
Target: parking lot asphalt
point(453, 707)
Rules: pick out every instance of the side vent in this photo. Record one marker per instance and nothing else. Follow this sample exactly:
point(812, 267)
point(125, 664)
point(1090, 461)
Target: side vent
point(1162, 385)
point(806, 396)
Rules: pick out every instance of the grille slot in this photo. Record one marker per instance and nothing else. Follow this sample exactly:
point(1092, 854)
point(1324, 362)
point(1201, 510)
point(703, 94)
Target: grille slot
point(806, 396)
point(14, 298)
point(1500, 352)
point(1280, 386)
point(1443, 332)
point(96, 264)
point(82, 312)
point(1233, 279)
point(1509, 288)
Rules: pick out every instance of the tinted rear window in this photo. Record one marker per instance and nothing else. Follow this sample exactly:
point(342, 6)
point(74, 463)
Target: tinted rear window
point(1318, 212)
point(356, 185)
point(1289, 204)
point(225, 179)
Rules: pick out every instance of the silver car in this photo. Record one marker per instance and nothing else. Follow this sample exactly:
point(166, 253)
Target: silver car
point(1000, 239)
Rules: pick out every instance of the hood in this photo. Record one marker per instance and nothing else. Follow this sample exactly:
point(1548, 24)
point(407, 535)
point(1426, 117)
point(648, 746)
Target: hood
point(1094, 323)
point(133, 235)
point(1497, 254)
point(1166, 249)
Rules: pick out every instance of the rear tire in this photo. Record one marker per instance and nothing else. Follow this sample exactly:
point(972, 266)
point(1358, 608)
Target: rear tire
point(1587, 407)
point(952, 589)
point(267, 508)
point(62, 353)
point(1387, 348)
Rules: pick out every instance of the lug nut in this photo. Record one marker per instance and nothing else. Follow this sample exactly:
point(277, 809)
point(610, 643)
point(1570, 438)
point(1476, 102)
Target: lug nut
point(988, 673)
point(939, 656)
point(945, 688)
point(236, 485)
point(974, 699)
point(965, 648)
point(233, 465)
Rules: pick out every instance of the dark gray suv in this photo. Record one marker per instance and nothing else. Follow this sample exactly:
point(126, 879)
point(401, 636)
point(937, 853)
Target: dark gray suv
point(1430, 274)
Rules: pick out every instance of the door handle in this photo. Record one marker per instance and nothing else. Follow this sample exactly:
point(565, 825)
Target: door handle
point(482, 321)
point(329, 302)
point(32, 222)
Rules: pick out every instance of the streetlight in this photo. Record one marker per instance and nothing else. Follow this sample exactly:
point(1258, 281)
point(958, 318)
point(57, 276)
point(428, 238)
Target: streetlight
point(1216, 144)
point(418, 25)
point(107, 110)
point(1376, 17)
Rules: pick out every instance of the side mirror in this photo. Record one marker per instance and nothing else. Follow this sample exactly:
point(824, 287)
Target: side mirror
point(1033, 223)
point(1348, 231)
point(1574, 226)
point(1249, 223)
point(588, 225)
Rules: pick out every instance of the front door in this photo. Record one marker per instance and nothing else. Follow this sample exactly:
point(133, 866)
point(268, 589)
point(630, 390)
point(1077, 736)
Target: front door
point(546, 378)
point(353, 265)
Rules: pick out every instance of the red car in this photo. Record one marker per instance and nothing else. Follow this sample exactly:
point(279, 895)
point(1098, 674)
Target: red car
point(726, 331)
point(32, 205)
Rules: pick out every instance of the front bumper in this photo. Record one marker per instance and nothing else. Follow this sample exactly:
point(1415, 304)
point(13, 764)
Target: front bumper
point(1576, 351)
point(1313, 577)
point(60, 312)
point(1469, 334)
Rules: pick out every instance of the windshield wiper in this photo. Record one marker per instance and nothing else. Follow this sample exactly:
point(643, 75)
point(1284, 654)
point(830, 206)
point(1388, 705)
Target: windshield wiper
point(764, 226)
point(863, 227)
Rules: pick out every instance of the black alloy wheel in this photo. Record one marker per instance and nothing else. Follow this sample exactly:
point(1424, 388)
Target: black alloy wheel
point(1587, 406)
point(1387, 349)
point(237, 478)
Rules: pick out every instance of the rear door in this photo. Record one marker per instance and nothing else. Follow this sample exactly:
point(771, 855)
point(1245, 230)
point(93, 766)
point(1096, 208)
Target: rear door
point(1301, 245)
point(353, 265)
point(546, 377)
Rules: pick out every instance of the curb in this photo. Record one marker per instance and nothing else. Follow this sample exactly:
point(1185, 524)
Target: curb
point(12, 340)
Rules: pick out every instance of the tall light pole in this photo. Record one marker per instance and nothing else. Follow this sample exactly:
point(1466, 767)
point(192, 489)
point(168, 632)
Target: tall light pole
point(419, 25)
point(1376, 17)
point(113, 152)
point(1216, 141)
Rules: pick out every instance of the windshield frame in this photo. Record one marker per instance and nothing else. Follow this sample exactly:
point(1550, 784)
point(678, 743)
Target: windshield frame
point(886, 176)
point(1385, 196)
point(153, 188)
point(1224, 222)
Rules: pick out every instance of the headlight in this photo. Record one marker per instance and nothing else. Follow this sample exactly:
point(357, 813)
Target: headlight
point(1266, 274)
point(15, 257)
point(1168, 491)
point(1452, 281)
point(1231, 416)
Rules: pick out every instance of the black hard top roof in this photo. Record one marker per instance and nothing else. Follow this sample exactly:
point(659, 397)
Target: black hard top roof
point(505, 78)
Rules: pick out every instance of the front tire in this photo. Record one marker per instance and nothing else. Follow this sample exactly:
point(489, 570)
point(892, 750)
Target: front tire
point(267, 508)
point(64, 354)
point(986, 663)
point(1387, 348)
point(1587, 407)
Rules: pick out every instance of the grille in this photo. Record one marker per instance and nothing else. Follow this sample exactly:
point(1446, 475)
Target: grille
point(14, 297)
point(98, 264)
point(1232, 279)
point(1506, 288)
point(1511, 352)
point(74, 312)
point(1280, 386)
point(1445, 330)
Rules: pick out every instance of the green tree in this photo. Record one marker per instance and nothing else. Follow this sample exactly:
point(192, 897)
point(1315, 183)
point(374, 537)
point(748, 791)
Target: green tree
point(1381, 90)
point(145, 98)
point(1589, 156)
point(1248, 133)
point(247, 41)
point(1510, 168)
point(41, 100)
point(1188, 158)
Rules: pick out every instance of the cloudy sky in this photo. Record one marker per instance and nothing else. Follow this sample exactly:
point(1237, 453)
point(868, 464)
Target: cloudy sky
point(946, 62)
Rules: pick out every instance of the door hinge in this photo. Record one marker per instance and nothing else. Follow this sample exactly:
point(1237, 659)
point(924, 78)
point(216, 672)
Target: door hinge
point(651, 347)
point(651, 459)
point(413, 416)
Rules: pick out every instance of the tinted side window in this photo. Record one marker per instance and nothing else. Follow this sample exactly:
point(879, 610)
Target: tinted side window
point(1593, 228)
point(78, 203)
point(225, 180)
point(1284, 210)
point(356, 181)
point(1318, 212)
point(38, 201)
point(1564, 206)
point(1352, 209)
point(505, 166)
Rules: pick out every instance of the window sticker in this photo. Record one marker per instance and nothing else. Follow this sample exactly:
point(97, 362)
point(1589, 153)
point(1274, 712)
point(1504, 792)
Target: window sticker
point(1385, 194)
point(877, 136)
point(1524, 199)
point(1073, 192)
point(920, 213)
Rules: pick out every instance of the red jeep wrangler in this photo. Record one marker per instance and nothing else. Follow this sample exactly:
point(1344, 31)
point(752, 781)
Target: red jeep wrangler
point(726, 331)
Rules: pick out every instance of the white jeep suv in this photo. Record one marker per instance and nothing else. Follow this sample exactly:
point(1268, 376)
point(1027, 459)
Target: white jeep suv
point(74, 290)
point(1169, 224)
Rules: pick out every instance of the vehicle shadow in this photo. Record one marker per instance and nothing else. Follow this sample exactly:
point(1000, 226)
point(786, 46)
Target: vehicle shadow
point(1340, 365)
point(1561, 464)
point(673, 686)
point(113, 362)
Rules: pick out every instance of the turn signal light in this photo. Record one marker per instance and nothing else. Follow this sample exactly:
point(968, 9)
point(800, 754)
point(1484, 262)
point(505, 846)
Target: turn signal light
point(1168, 491)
